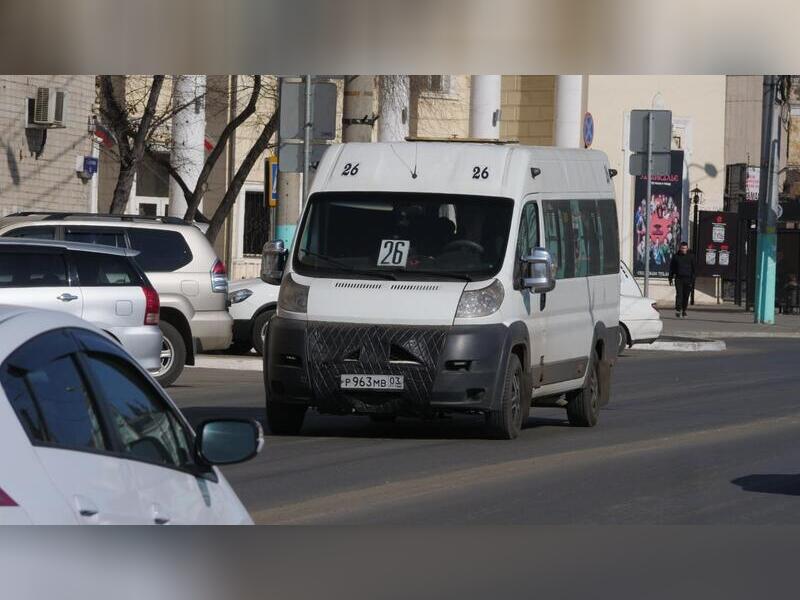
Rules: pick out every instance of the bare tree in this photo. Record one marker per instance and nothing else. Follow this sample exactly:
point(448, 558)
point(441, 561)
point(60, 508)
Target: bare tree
point(131, 132)
point(152, 128)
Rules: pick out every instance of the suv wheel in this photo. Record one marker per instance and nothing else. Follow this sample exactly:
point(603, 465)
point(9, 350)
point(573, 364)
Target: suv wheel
point(260, 325)
point(173, 355)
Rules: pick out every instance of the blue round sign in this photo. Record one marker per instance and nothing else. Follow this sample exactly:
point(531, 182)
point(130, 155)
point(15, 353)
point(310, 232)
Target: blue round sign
point(588, 129)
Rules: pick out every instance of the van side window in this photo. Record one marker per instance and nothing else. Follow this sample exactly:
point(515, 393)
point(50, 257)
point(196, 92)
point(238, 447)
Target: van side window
point(559, 236)
point(607, 211)
point(528, 236)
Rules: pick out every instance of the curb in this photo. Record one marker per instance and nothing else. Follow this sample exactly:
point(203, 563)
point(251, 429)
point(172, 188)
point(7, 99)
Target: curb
point(740, 334)
point(676, 344)
point(230, 363)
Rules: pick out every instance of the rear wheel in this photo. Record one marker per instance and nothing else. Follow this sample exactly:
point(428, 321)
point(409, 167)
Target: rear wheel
point(173, 355)
point(583, 405)
point(260, 325)
point(284, 418)
point(506, 422)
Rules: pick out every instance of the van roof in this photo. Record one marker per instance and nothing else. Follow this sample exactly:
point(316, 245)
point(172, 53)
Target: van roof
point(474, 168)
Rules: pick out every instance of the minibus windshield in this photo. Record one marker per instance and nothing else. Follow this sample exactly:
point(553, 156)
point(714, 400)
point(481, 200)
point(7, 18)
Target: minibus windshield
point(391, 235)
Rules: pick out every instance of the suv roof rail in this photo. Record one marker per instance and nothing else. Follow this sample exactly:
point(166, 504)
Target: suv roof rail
point(59, 216)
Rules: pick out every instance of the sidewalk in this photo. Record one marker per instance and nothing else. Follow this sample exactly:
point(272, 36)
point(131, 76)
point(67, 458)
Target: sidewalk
point(725, 321)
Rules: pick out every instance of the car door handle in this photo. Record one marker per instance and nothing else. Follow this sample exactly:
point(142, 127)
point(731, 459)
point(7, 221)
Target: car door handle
point(86, 508)
point(66, 297)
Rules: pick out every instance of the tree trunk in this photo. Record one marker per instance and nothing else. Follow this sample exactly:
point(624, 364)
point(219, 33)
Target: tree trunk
point(258, 148)
point(122, 191)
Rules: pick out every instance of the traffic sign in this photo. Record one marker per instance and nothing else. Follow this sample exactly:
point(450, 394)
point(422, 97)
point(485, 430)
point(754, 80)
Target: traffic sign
point(292, 122)
point(662, 164)
point(588, 130)
point(662, 130)
point(272, 171)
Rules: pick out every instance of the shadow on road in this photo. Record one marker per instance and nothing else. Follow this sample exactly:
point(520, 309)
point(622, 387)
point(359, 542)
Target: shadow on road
point(787, 485)
point(457, 427)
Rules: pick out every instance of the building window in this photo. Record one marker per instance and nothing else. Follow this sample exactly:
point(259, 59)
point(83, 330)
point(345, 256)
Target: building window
point(437, 84)
point(256, 223)
point(152, 180)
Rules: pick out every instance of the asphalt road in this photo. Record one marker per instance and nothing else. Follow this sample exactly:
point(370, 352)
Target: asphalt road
point(688, 438)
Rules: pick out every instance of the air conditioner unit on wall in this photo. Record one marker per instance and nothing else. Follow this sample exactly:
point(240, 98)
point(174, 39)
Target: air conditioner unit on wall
point(49, 107)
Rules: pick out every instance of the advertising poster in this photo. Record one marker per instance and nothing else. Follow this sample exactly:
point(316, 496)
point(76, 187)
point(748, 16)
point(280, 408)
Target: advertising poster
point(665, 207)
point(717, 234)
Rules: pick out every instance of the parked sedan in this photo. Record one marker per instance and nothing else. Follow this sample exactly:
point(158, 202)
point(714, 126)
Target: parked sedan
point(252, 305)
point(89, 437)
point(101, 284)
point(640, 322)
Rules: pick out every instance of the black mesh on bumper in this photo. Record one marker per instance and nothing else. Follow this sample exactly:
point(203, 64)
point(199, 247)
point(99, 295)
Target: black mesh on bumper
point(334, 349)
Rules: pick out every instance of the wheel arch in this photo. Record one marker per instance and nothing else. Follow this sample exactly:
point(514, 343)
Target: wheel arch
point(178, 320)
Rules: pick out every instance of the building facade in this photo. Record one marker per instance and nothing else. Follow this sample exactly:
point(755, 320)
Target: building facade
point(40, 154)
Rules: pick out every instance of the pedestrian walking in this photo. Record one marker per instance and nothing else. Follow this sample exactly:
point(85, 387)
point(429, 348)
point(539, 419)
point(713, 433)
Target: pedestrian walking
point(682, 271)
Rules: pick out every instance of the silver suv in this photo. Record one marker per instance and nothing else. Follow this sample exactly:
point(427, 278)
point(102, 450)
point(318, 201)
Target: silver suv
point(178, 259)
point(99, 284)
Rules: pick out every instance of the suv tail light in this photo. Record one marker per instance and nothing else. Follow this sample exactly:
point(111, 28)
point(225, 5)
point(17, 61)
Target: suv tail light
point(6, 500)
point(152, 306)
point(219, 277)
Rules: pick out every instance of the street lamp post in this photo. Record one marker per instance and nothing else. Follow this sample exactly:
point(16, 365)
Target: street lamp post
point(697, 194)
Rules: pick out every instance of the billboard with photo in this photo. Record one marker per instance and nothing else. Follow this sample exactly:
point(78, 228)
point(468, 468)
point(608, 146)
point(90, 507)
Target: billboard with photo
point(666, 210)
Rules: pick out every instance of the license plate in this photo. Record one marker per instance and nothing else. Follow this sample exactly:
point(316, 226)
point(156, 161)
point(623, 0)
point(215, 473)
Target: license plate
point(372, 382)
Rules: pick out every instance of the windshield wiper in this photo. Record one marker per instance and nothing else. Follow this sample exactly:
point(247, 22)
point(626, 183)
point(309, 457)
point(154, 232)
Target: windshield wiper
point(450, 274)
point(349, 269)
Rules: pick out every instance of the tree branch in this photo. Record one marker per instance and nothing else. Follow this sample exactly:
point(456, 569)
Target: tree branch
point(194, 201)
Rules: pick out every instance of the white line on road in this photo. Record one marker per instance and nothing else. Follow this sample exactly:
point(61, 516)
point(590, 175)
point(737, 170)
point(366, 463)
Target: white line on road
point(230, 363)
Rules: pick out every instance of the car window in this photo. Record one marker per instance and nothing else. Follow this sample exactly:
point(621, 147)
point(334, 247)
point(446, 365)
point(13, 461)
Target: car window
point(40, 232)
point(145, 425)
point(49, 395)
point(102, 236)
point(32, 269)
point(161, 250)
point(96, 269)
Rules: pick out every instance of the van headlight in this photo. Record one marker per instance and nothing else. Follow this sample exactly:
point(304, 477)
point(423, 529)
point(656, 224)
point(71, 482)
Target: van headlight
point(482, 302)
point(293, 296)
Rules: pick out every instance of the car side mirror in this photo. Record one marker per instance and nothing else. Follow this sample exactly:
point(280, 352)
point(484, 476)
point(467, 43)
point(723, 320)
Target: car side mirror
point(538, 271)
point(229, 441)
point(273, 261)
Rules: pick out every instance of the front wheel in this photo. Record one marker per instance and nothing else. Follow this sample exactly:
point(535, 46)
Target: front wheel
point(622, 339)
point(284, 418)
point(583, 405)
point(506, 422)
point(260, 325)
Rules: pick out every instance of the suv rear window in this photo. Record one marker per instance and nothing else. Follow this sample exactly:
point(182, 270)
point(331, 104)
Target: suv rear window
point(96, 269)
point(32, 269)
point(161, 250)
point(105, 237)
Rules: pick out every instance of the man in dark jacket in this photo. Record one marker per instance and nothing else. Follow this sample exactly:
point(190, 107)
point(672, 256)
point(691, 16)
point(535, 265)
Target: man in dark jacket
point(681, 269)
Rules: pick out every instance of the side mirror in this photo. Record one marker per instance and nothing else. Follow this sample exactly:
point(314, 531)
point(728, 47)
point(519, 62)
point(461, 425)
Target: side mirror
point(273, 261)
point(538, 271)
point(229, 441)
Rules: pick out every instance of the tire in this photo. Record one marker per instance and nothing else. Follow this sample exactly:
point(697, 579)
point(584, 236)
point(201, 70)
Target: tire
point(383, 418)
point(260, 324)
point(506, 423)
point(622, 339)
point(284, 418)
point(173, 355)
point(583, 405)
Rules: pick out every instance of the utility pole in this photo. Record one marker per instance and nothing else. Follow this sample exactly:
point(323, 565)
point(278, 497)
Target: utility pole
point(358, 110)
point(484, 106)
point(767, 241)
point(307, 128)
point(648, 196)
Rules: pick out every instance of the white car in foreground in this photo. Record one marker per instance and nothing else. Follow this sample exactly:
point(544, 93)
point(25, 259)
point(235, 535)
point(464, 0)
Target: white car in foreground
point(88, 437)
point(252, 304)
point(640, 322)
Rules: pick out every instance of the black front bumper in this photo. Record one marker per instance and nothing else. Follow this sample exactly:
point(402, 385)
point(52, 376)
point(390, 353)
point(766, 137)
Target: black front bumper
point(458, 369)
